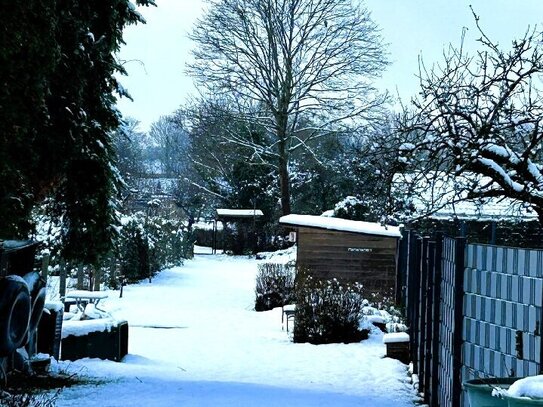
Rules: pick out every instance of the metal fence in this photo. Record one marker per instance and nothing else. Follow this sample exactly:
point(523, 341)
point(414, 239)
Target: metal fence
point(473, 311)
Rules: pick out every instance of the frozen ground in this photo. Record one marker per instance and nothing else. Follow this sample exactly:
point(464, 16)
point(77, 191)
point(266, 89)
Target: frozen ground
point(195, 341)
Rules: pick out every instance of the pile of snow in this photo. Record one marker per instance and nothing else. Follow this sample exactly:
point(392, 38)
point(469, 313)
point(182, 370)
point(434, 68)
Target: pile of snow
point(85, 327)
point(55, 306)
point(530, 387)
point(396, 337)
point(373, 315)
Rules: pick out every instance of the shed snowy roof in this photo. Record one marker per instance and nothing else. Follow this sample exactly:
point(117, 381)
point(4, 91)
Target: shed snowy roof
point(239, 213)
point(342, 225)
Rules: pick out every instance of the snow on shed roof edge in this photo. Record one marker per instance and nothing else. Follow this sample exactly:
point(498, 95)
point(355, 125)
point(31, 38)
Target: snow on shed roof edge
point(342, 225)
point(239, 212)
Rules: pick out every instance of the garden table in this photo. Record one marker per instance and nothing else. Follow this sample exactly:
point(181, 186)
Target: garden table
point(85, 296)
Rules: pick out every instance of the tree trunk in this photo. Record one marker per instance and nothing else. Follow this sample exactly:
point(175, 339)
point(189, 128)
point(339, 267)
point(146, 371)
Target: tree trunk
point(285, 188)
point(284, 182)
point(45, 267)
point(62, 283)
point(97, 278)
point(80, 277)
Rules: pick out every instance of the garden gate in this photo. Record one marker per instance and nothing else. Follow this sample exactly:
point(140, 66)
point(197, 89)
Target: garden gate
point(473, 311)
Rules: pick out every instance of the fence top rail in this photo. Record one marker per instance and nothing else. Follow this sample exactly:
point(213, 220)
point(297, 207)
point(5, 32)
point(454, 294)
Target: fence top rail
point(506, 247)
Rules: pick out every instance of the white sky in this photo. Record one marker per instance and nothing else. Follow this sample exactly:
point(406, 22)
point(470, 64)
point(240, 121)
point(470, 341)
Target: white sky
point(410, 27)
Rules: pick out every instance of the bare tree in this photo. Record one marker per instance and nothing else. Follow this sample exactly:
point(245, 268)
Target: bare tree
point(477, 124)
point(172, 143)
point(127, 142)
point(301, 68)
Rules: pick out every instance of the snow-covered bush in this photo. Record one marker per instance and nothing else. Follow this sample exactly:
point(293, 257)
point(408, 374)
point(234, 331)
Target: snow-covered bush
point(274, 286)
point(133, 250)
point(148, 244)
point(355, 208)
point(381, 311)
point(327, 311)
point(143, 245)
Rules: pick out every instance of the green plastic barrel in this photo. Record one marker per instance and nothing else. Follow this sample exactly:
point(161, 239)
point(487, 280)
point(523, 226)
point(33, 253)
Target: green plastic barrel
point(480, 391)
point(523, 402)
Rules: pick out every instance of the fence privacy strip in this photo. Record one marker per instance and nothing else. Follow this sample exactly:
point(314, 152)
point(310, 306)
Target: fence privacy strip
point(474, 311)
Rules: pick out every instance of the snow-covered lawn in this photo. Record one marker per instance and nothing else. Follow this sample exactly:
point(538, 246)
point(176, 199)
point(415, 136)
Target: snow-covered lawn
point(196, 341)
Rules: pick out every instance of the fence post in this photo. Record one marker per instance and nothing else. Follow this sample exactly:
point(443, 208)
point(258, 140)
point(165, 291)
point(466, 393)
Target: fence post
point(401, 269)
point(422, 312)
point(430, 321)
point(436, 323)
point(413, 298)
point(460, 246)
point(540, 333)
point(409, 279)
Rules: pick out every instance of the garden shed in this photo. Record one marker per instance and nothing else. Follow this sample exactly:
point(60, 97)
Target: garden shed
point(243, 222)
point(351, 251)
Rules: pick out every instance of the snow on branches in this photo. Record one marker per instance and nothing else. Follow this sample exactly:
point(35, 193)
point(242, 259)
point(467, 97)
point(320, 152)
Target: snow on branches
point(482, 115)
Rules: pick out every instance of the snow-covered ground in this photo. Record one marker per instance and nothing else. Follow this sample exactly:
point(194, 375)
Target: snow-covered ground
point(195, 340)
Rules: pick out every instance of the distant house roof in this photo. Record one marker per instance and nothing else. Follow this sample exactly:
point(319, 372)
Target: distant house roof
point(488, 209)
point(445, 197)
point(238, 213)
point(342, 225)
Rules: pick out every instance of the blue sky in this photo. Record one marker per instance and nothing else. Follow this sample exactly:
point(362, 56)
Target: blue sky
point(159, 84)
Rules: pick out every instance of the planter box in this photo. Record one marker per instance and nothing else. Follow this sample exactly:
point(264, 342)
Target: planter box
point(110, 343)
point(480, 391)
point(397, 345)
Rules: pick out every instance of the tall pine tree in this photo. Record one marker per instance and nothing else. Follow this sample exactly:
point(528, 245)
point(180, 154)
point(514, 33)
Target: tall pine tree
point(57, 115)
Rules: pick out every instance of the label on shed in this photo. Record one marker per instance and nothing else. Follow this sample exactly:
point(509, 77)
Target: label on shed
point(359, 250)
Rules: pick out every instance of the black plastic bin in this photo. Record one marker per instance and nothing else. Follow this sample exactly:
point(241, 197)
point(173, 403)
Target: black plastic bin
point(111, 345)
point(17, 256)
point(50, 331)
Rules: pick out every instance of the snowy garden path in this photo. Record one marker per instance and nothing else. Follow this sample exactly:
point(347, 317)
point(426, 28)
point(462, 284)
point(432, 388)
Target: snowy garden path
point(195, 341)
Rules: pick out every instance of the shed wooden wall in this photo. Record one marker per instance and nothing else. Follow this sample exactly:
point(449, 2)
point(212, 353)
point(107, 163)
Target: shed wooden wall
point(367, 259)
